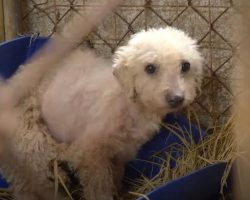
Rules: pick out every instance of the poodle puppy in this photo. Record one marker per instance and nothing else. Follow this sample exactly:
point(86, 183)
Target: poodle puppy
point(108, 113)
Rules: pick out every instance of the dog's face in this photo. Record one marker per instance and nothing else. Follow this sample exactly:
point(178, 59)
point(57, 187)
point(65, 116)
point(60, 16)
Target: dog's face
point(160, 68)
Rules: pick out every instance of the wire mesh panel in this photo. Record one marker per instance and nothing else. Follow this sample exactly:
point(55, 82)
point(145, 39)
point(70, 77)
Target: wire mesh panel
point(206, 20)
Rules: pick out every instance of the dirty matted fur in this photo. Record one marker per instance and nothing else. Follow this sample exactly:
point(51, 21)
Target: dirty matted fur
point(98, 121)
point(109, 113)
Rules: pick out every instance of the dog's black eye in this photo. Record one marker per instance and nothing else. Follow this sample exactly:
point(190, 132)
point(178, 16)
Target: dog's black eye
point(150, 69)
point(185, 66)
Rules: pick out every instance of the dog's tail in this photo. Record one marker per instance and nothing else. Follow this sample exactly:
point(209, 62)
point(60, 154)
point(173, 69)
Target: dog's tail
point(29, 76)
point(46, 59)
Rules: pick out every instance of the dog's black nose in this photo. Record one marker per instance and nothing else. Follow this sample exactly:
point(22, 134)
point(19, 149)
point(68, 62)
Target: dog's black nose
point(174, 100)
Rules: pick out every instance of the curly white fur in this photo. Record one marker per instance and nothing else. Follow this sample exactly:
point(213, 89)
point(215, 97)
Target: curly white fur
point(109, 117)
point(101, 119)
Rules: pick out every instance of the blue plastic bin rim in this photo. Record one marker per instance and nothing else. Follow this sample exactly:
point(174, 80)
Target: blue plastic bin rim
point(30, 45)
point(175, 189)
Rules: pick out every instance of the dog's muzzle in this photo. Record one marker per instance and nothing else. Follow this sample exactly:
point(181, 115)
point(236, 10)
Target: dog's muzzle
point(174, 100)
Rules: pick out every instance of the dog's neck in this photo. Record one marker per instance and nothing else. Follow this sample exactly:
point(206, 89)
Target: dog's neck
point(140, 113)
point(145, 112)
point(143, 124)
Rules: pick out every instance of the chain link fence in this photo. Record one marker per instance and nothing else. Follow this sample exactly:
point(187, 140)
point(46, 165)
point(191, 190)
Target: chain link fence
point(206, 20)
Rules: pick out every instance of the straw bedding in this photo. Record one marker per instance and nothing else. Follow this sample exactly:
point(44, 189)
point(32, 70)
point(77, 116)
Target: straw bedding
point(215, 148)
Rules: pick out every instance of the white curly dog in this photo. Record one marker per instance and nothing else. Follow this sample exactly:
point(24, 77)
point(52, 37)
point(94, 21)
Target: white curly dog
point(98, 117)
point(109, 112)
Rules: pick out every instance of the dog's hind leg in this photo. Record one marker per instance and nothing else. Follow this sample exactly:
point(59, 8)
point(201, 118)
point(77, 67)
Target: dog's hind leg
point(96, 176)
point(37, 195)
point(25, 196)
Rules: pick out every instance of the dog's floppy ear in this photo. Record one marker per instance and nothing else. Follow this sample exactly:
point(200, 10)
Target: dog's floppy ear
point(122, 71)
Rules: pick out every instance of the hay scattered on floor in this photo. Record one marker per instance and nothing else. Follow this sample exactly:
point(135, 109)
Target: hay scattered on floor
point(5, 194)
point(217, 147)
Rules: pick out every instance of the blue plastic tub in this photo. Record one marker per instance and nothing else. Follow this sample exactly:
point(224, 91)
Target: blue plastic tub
point(200, 185)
